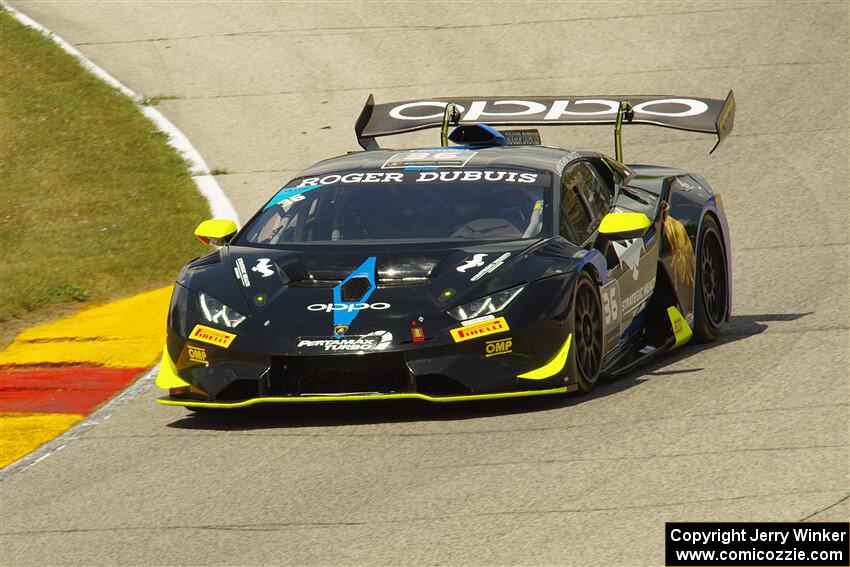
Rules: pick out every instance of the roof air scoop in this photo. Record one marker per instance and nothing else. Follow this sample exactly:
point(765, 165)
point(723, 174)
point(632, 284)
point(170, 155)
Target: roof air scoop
point(477, 135)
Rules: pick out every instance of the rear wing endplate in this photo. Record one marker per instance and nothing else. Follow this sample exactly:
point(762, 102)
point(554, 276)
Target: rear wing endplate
point(707, 115)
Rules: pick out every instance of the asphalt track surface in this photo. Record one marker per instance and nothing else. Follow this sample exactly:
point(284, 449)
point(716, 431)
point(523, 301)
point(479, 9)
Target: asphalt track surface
point(755, 427)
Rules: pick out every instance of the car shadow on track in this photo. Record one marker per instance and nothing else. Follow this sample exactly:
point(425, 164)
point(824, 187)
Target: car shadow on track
point(337, 414)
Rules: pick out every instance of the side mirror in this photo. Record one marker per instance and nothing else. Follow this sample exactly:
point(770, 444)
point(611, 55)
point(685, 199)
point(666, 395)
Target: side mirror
point(619, 226)
point(216, 232)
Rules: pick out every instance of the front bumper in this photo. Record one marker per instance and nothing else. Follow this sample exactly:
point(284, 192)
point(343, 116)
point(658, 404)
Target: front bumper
point(429, 375)
point(171, 401)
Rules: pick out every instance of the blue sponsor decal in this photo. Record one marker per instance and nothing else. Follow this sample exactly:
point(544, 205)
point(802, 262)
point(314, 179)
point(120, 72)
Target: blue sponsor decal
point(288, 193)
point(344, 317)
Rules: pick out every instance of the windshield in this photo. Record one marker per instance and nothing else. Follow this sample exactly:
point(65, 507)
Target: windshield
point(420, 205)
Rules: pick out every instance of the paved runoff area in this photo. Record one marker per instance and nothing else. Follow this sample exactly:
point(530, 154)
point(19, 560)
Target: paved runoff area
point(752, 428)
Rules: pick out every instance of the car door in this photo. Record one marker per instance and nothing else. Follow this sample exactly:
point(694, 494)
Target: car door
point(587, 195)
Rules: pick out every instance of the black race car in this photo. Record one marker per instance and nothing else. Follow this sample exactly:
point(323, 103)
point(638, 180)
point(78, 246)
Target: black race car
point(495, 267)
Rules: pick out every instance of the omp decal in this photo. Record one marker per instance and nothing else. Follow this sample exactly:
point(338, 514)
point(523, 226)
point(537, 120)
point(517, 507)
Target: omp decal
point(681, 330)
point(552, 367)
point(350, 309)
point(455, 158)
point(476, 261)
point(491, 267)
point(365, 397)
point(376, 340)
point(263, 266)
point(196, 354)
point(287, 196)
point(491, 327)
point(499, 347)
point(629, 254)
point(241, 272)
point(212, 336)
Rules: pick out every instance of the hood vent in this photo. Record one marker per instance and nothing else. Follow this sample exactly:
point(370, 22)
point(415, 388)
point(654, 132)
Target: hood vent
point(355, 288)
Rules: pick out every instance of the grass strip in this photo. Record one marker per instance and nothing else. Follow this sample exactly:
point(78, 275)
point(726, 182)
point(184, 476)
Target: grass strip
point(94, 204)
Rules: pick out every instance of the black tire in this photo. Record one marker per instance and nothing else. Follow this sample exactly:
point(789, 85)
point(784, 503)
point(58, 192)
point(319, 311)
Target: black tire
point(711, 290)
point(587, 333)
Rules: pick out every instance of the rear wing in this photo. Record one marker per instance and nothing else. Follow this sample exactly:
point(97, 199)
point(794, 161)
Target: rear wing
point(708, 115)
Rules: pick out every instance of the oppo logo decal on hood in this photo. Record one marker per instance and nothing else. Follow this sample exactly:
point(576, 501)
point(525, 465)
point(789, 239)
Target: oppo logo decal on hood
point(328, 307)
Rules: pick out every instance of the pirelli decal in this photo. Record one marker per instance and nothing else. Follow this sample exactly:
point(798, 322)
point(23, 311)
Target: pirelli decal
point(212, 336)
point(484, 328)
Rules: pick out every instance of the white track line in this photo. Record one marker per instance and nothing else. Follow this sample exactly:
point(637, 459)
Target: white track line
point(220, 207)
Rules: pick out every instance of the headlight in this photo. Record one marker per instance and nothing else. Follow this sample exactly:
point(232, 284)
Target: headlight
point(486, 305)
point(217, 312)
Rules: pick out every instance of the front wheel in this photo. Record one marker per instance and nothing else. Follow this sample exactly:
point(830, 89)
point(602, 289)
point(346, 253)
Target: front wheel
point(587, 333)
point(711, 283)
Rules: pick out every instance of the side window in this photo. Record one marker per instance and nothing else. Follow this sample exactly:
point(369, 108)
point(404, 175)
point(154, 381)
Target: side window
point(584, 201)
point(601, 194)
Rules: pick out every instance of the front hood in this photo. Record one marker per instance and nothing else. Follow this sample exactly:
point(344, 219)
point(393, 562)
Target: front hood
point(308, 293)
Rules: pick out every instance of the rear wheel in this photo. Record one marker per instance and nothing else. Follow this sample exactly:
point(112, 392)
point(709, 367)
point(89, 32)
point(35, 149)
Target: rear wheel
point(711, 283)
point(587, 333)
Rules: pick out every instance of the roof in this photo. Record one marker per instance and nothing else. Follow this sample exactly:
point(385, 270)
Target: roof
point(543, 158)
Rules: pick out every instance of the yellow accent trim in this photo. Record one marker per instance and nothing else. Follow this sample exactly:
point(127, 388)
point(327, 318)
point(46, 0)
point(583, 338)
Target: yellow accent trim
point(681, 330)
point(123, 334)
point(482, 329)
point(552, 367)
point(217, 229)
point(361, 398)
point(22, 433)
point(167, 377)
point(212, 336)
point(616, 223)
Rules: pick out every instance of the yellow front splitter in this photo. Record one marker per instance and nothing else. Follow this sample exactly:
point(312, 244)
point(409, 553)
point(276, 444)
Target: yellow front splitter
point(363, 398)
